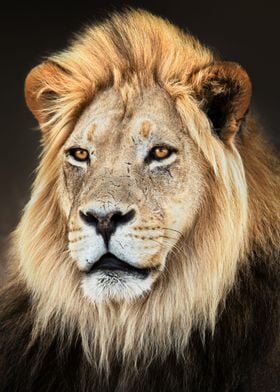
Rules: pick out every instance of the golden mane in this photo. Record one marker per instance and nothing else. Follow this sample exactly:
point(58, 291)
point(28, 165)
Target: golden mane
point(129, 51)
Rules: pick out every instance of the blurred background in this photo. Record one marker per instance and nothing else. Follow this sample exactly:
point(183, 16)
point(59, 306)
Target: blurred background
point(242, 31)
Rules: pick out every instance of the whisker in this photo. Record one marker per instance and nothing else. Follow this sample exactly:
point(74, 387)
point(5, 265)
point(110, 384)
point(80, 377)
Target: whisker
point(167, 237)
point(174, 247)
point(177, 231)
point(167, 244)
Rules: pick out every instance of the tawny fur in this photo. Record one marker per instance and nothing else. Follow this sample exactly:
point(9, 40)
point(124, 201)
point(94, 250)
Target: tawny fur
point(131, 52)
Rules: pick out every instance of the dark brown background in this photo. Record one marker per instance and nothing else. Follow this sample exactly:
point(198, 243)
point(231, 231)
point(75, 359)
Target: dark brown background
point(243, 31)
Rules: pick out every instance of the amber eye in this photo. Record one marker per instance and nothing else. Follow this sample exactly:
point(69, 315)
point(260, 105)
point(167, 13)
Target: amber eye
point(161, 152)
point(79, 154)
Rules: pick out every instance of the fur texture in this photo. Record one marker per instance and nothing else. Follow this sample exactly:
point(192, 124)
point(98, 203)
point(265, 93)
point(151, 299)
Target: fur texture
point(210, 322)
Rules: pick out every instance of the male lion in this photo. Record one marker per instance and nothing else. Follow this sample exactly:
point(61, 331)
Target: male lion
point(148, 256)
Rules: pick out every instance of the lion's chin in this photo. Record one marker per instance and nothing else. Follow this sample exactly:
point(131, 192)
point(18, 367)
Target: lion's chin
point(104, 285)
point(111, 278)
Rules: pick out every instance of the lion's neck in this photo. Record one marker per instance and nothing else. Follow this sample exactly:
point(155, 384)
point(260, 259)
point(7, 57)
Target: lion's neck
point(223, 356)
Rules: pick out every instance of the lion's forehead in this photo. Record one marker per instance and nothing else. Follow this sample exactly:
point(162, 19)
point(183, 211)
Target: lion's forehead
point(145, 119)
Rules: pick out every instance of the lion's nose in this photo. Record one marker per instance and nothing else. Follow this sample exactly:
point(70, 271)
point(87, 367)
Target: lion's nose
point(106, 224)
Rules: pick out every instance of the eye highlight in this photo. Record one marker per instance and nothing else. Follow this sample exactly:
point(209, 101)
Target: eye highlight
point(79, 154)
point(159, 153)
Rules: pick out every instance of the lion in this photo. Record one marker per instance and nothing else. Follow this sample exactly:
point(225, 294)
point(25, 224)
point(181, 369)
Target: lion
point(147, 258)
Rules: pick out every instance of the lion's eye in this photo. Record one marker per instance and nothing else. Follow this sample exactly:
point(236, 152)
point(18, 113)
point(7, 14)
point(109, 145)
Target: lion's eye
point(79, 154)
point(159, 153)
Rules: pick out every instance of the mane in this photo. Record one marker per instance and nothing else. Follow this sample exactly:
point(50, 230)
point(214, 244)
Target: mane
point(128, 52)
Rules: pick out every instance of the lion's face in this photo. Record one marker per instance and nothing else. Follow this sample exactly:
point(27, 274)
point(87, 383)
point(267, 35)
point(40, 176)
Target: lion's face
point(132, 183)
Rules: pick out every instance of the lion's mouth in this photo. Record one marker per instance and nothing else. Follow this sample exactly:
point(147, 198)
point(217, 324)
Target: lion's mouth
point(111, 263)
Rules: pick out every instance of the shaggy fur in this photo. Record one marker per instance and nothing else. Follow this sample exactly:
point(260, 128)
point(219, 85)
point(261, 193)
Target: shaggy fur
point(209, 324)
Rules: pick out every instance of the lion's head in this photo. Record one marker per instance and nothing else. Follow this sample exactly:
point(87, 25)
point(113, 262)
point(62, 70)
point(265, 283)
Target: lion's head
point(127, 170)
point(139, 214)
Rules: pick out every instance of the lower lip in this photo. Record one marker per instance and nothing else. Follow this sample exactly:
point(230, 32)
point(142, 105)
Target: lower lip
point(111, 263)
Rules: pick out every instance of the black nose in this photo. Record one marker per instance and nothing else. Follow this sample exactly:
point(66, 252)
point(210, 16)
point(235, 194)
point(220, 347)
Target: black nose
point(106, 224)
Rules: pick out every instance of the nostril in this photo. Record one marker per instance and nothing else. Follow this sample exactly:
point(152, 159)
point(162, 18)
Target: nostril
point(119, 218)
point(89, 218)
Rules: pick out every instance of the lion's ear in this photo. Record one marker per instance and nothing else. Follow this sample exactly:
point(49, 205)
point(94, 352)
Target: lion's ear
point(224, 91)
point(44, 85)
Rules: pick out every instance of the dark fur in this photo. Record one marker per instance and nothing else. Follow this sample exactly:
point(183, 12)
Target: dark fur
point(242, 356)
